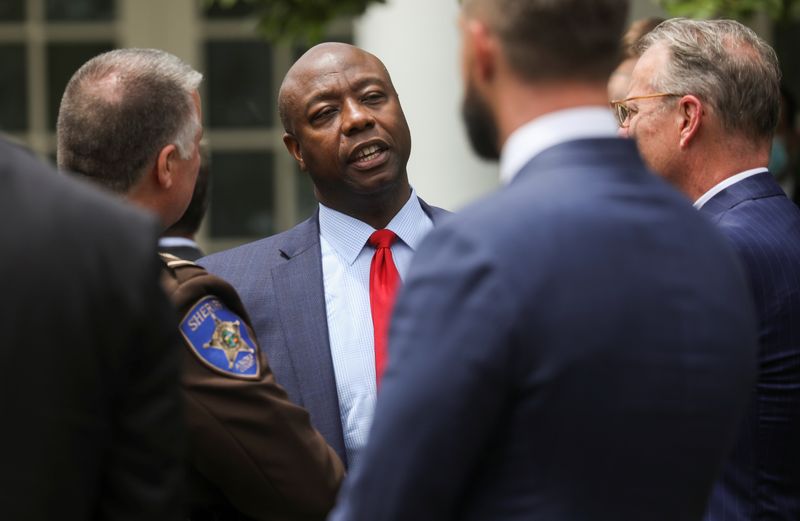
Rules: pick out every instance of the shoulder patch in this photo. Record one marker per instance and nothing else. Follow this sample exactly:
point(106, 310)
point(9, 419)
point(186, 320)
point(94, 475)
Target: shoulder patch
point(219, 338)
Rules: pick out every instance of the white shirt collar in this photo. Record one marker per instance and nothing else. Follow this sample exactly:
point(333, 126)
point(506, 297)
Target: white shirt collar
point(553, 129)
point(172, 242)
point(347, 235)
point(725, 183)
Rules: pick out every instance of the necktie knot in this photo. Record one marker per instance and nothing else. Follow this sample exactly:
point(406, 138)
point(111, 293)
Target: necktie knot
point(382, 238)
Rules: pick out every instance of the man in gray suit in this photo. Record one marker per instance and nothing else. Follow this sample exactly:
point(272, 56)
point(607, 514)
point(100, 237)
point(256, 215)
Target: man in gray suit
point(310, 290)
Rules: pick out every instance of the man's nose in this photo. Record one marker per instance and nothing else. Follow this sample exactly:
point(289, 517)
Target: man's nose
point(355, 117)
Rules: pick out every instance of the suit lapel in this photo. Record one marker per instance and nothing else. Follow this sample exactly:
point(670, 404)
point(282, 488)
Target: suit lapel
point(436, 214)
point(305, 327)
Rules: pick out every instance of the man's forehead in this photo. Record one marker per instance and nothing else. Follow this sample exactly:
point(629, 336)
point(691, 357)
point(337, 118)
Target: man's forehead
point(330, 67)
point(648, 65)
point(334, 78)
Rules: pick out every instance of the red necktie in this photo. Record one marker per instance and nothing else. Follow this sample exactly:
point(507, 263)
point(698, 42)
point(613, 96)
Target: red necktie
point(383, 282)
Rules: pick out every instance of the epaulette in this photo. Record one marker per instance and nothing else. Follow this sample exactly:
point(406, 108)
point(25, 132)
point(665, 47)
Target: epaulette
point(173, 262)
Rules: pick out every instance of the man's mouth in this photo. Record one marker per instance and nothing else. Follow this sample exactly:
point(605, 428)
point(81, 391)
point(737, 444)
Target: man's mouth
point(367, 153)
point(369, 156)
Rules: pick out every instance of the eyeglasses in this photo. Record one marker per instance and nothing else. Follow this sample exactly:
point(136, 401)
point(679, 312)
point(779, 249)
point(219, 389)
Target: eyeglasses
point(623, 112)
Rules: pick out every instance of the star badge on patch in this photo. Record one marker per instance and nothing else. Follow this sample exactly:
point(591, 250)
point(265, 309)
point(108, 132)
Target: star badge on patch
point(216, 336)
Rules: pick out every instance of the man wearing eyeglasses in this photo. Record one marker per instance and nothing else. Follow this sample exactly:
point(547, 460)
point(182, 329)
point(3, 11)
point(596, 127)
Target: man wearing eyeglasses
point(703, 106)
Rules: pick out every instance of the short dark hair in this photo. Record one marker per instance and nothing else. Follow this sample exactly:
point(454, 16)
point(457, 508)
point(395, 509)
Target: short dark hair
point(192, 218)
point(557, 39)
point(727, 66)
point(120, 108)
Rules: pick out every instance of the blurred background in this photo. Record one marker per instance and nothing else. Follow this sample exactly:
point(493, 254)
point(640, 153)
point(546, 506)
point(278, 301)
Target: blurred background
point(256, 190)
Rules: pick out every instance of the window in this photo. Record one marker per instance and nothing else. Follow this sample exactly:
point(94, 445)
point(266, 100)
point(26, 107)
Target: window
point(257, 188)
point(42, 43)
point(13, 87)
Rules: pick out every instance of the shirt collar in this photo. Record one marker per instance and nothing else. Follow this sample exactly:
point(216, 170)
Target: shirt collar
point(171, 242)
point(553, 129)
point(347, 235)
point(725, 183)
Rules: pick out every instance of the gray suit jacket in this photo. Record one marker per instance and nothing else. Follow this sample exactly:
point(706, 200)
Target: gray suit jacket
point(279, 279)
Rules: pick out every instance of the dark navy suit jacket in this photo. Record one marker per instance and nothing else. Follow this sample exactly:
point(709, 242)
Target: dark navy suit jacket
point(761, 480)
point(280, 282)
point(578, 346)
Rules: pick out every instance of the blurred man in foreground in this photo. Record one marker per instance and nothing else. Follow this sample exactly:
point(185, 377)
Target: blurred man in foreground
point(577, 346)
point(92, 424)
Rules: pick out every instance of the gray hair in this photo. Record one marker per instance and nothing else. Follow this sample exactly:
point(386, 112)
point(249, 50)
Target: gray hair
point(120, 109)
point(556, 39)
point(727, 66)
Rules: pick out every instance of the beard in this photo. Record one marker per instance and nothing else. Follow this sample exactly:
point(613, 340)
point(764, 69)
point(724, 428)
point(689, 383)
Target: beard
point(480, 124)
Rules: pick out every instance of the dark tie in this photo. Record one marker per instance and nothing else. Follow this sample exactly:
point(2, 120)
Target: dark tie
point(383, 282)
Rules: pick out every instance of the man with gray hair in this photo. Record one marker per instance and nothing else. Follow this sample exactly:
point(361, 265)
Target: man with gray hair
point(130, 119)
point(703, 106)
point(546, 360)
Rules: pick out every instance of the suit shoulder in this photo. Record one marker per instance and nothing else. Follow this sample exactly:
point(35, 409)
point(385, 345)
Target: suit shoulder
point(82, 223)
point(761, 228)
point(264, 252)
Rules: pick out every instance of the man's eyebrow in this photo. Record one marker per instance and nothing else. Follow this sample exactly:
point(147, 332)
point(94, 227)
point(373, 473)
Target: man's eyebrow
point(330, 94)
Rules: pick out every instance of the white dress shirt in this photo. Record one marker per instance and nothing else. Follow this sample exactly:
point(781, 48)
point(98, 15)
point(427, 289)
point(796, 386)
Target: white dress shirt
point(346, 259)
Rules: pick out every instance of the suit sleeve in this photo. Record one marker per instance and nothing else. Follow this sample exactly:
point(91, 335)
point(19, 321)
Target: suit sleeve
point(245, 435)
point(443, 391)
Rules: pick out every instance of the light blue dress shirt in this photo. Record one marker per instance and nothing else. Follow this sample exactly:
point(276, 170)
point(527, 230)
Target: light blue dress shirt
point(346, 259)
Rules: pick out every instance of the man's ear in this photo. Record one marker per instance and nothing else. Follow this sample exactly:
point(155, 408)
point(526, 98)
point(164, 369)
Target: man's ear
point(165, 165)
point(291, 144)
point(482, 49)
point(690, 114)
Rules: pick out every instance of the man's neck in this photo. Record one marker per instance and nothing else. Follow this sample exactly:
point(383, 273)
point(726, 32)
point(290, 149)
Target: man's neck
point(709, 169)
point(376, 210)
point(522, 102)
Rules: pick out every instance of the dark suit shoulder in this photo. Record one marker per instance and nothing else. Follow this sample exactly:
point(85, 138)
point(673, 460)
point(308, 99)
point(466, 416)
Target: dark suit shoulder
point(83, 295)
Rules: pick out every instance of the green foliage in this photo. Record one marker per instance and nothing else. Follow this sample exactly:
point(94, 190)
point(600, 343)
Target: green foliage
point(779, 10)
point(299, 20)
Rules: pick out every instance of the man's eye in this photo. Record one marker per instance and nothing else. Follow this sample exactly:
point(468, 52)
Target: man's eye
point(374, 97)
point(322, 114)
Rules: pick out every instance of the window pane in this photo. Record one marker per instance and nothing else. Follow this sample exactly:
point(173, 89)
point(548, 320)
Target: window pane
point(239, 83)
point(63, 59)
point(13, 87)
point(79, 10)
point(238, 10)
point(12, 10)
point(241, 194)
